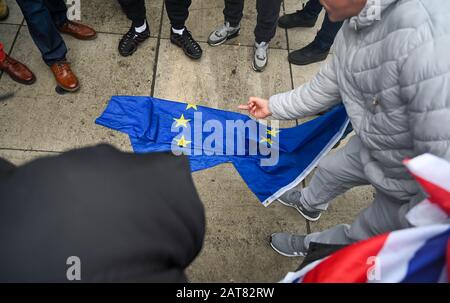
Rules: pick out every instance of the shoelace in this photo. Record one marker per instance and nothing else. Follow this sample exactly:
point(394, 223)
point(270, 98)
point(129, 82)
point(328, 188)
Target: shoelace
point(10, 61)
point(261, 51)
point(222, 31)
point(191, 43)
point(60, 68)
point(131, 35)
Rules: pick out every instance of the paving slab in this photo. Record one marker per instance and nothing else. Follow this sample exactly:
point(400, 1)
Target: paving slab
point(237, 249)
point(55, 123)
point(223, 78)
point(206, 15)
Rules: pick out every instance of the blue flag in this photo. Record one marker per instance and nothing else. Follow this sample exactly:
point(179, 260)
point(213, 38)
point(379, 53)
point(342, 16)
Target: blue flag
point(271, 160)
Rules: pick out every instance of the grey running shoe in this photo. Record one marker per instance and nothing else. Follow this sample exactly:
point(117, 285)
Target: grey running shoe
point(292, 199)
point(260, 57)
point(223, 33)
point(289, 245)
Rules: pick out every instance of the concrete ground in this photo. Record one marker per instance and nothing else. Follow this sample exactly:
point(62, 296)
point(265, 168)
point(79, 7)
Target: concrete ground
point(38, 122)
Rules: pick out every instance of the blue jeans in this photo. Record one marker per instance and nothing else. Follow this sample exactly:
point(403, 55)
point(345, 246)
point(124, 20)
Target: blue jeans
point(44, 17)
point(325, 37)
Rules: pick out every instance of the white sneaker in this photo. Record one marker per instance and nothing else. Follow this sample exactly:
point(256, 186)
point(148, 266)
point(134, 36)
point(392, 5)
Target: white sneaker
point(260, 58)
point(222, 34)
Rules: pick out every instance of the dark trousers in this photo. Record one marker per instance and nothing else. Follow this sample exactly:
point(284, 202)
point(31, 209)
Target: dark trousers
point(44, 17)
point(177, 10)
point(325, 37)
point(135, 11)
point(268, 13)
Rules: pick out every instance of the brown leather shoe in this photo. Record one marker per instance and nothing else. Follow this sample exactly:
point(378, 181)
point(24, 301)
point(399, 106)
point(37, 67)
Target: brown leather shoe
point(64, 76)
point(78, 30)
point(17, 71)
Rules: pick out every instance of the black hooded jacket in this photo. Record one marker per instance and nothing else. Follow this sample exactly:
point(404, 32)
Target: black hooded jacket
point(126, 217)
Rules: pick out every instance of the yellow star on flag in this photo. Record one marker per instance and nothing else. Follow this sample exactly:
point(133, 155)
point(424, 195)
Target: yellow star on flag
point(268, 140)
point(182, 121)
point(273, 132)
point(191, 105)
point(182, 142)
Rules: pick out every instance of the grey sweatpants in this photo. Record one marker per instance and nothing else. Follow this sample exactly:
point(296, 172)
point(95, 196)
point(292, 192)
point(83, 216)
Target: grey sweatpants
point(337, 173)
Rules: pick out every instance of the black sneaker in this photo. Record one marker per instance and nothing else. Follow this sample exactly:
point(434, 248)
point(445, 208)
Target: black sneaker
point(190, 47)
point(307, 55)
point(297, 19)
point(130, 41)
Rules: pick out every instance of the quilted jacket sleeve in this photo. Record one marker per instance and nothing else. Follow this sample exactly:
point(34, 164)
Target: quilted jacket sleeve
point(315, 96)
point(425, 87)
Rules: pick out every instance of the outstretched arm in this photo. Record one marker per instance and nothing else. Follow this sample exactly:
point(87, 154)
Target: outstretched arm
point(313, 97)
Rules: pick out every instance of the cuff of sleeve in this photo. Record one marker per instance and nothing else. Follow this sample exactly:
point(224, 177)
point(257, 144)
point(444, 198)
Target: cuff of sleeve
point(272, 107)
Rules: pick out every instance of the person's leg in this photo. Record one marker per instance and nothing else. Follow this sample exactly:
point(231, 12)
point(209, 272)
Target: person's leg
point(325, 37)
point(318, 49)
point(305, 17)
point(58, 11)
point(49, 41)
point(336, 173)
point(233, 12)
point(43, 31)
point(266, 26)
point(178, 12)
point(312, 8)
point(385, 214)
point(135, 11)
point(139, 30)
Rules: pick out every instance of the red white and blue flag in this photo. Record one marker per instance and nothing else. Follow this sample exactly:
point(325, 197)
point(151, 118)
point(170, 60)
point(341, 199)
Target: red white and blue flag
point(414, 255)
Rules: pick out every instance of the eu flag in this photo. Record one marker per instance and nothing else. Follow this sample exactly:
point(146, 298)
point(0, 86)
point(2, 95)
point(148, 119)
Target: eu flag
point(269, 159)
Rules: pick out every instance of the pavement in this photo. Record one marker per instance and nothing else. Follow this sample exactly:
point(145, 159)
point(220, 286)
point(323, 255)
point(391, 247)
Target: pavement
point(38, 122)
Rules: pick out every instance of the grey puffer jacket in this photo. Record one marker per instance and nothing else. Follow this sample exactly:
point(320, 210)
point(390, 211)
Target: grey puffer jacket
point(393, 76)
